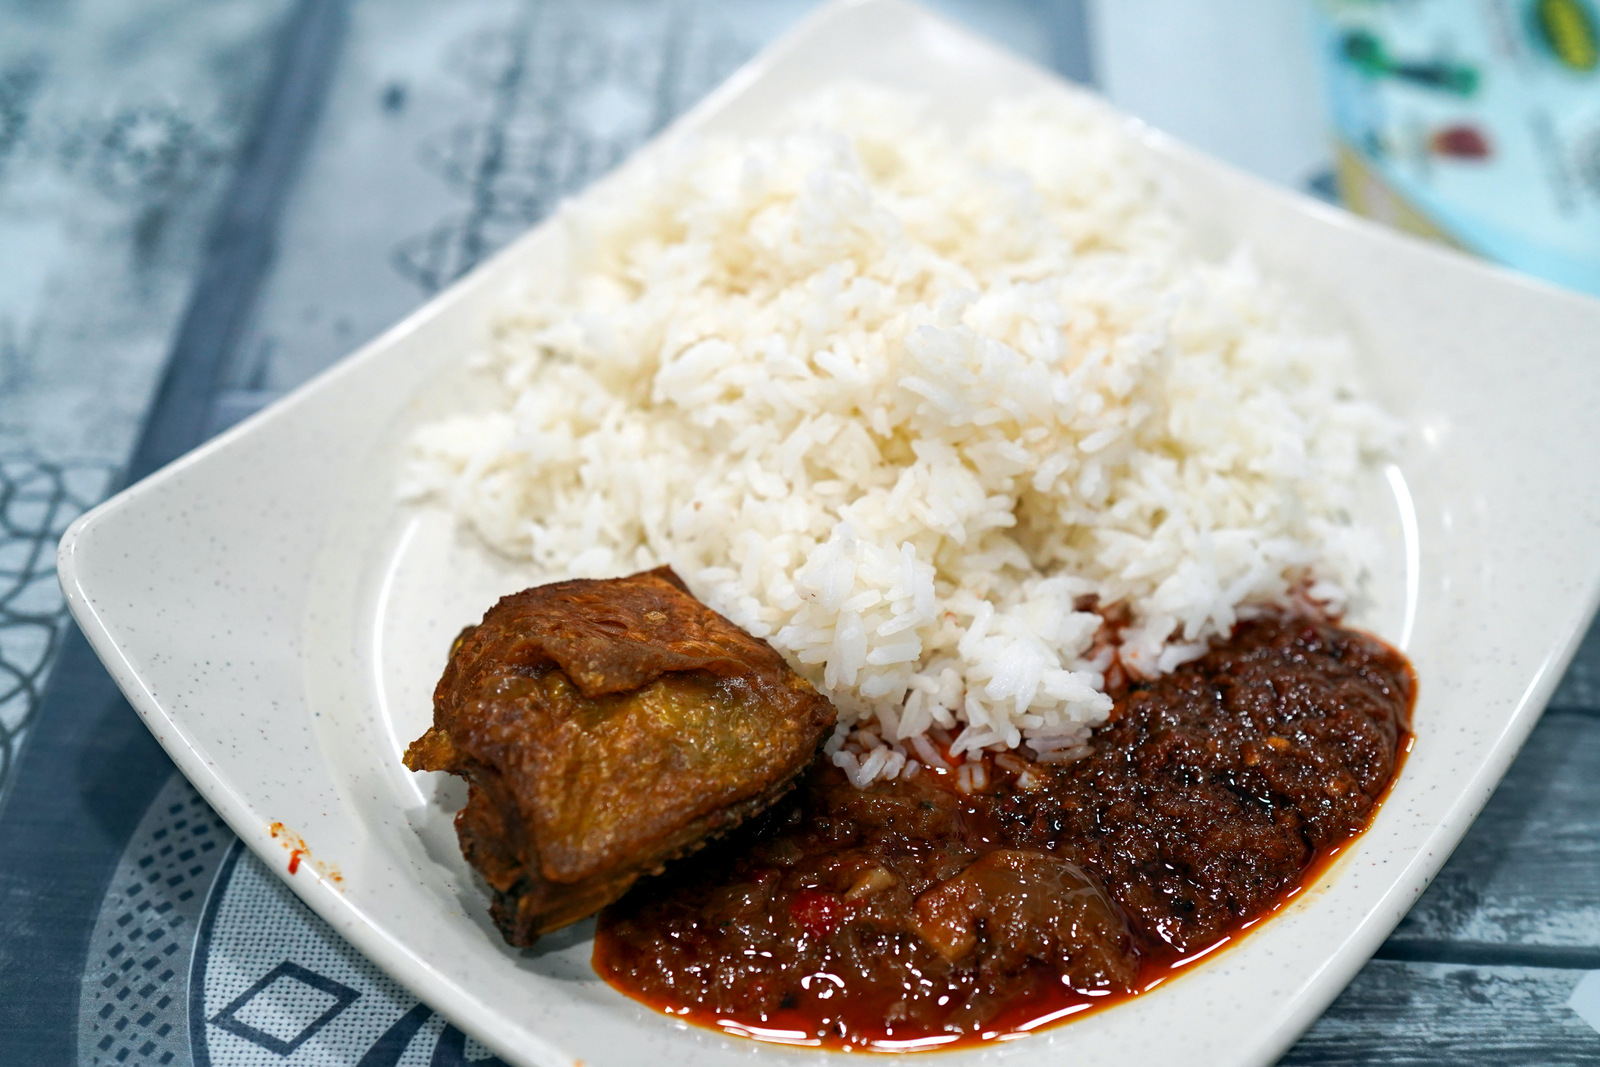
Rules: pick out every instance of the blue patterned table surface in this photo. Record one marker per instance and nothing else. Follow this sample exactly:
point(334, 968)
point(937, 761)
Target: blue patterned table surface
point(205, 202)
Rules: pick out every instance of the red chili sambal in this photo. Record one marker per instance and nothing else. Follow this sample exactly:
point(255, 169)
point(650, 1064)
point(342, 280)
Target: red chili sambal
point(912, 915)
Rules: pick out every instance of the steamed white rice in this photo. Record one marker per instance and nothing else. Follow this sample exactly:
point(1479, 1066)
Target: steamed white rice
point(911, 406)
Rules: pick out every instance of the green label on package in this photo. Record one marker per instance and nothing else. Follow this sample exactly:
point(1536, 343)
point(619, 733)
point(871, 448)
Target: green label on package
point(1477, 124)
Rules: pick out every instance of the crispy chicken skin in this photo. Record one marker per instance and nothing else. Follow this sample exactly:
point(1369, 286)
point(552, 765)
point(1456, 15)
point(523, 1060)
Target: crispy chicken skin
point(605, 728)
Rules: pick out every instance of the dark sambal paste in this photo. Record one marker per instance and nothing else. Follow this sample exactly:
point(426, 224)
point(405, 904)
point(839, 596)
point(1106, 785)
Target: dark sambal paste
point(913, 915)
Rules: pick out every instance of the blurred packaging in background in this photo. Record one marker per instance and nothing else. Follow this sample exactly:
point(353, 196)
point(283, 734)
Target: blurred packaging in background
point(1474, 123)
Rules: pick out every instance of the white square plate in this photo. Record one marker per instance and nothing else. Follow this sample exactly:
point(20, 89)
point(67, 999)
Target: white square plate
point(278, 619)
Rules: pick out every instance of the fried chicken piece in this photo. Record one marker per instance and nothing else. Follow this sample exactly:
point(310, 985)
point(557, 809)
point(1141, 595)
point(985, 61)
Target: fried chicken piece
point(605, 728)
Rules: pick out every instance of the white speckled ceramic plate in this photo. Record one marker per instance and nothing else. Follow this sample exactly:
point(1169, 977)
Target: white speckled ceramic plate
point(278, 620)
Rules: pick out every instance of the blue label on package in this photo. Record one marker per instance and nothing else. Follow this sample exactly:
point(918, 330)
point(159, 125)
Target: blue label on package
point(1474, 124)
